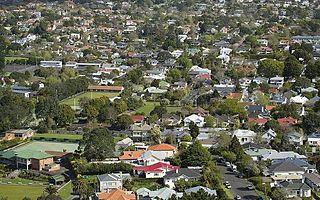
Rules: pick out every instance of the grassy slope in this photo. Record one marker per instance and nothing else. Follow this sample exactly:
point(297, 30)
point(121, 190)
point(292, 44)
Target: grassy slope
point(17, 192)
point(70, 101)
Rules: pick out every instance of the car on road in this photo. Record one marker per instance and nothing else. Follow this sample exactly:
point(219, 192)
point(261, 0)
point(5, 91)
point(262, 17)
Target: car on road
point(228, 164)
point(250, 187)
point(237, 197)
point(227, 184)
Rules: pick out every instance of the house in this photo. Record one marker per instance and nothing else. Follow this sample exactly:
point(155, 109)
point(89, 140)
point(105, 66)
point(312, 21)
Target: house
point(154, 92)
point(160, 194)
point(200, 111)
point(287, 121)
point(269, 135)
point(157, 170)
point(183, 173)
point(296, 188)
point(140, 132)
point(179, 85)
point(257, 153)
point(312, 180)
point(168, 149)
point(170, 119)
point(314, 139)
point(116, 194)
point(276, 81)
point(285, 170)
point(137, 119)
point(18, 133)
point(205, 189)
point(196, 119)
point(130, 156)
point(282, 155)
point(256, 110)
point(224, 89)
point(244, 136)
point(278, 99)
point(152, 157)
point(295, 138)
point(258, 121)
point(299, 99)
point(109, 182)
point(122, 144)
point(102, 88)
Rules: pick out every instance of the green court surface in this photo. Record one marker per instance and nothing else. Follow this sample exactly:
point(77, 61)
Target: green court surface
point(18, 192)
point(74, 101)
point(37, 146)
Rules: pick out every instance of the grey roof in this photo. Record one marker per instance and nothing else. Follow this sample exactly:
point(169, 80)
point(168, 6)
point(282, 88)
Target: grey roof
point(294, 185)
point(314, 178)
point(197, 188)
point(297, 162)
point(163, 193)
point(113, 177)
point(285, 166)
point(158, 154)
point(190, 173)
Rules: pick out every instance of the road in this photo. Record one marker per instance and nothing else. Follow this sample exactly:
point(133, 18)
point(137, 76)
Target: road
point(238, 185)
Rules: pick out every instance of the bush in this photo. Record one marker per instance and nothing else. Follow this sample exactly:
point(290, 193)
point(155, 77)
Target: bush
point(101, 168)
point(257, 182)
point(33, 176)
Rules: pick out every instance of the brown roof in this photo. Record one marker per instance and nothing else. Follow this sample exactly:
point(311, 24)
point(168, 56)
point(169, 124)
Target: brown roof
point(162, 147)
point(130, 155)
point(234, 95)
point(117, 194)
point(106, 88)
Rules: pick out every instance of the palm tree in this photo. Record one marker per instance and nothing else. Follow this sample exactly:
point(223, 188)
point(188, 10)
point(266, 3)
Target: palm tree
point(51, 190)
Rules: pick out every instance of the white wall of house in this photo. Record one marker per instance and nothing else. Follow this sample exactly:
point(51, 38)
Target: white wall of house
point(155, 174)
point(106, 186)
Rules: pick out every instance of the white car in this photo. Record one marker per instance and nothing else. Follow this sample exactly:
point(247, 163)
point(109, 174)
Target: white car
point(228, 164)
point(237, 197)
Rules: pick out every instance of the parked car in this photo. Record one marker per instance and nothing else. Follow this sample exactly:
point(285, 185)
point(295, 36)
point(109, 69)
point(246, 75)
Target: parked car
point(250, 187)
point(237, 197)
point(228, 164)
point(227, 184)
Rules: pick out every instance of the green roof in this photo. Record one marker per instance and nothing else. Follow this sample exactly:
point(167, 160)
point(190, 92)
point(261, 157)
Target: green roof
point(25, 154)
point(7, 154)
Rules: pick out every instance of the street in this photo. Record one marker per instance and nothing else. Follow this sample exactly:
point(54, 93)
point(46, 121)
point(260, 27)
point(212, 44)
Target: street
point(238, 185)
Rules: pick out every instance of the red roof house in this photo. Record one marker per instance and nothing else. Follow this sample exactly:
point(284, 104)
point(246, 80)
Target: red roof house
point(287, 121)
point(258, 121)
point(137, 118)
point(157, 170)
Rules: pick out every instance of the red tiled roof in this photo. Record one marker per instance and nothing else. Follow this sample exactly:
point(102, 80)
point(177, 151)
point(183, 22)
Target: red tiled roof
point(130, 155)
point(158, 167)
point(116, 194)
point(137, 118)
point(162, 147)
point(258, 120)
point(287, 121)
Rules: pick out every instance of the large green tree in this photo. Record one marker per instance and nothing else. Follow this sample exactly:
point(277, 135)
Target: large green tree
point(270, 68)
point(195, 155)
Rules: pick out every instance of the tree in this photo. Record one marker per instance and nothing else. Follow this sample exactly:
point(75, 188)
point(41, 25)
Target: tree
point(236, 148)
point(4, 44)
point(232, 107)
point(210, 121)
point(123, 122)
point(292, 67)
point(194, 130)
point(51, 190)
point(270, 68)
point(229, 156)
point(278, 194)
point(210, 175)
point(155, 134)
point(311, 122)
point(159, 111)
point(135, 76)
point(120, 105)
point(83, 188)
point(195, 155)
point(90, 112)
point(65, 115)
point(98, 144)
point(174, 75)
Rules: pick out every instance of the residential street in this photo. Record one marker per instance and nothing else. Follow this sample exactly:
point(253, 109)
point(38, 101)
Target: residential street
point(238, 185)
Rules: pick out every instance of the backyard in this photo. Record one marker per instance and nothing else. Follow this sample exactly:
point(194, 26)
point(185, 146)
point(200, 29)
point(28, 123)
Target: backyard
point(74, 101)
point(149, 106)
point(21, 191)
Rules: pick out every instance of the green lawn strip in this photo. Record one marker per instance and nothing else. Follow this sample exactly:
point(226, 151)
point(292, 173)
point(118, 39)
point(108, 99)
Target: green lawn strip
point(20, 181)
point(10, 59)
point(58, 136)
point(146, 183)
point(66, 190)
point(91, 95)
point(18, 192)
point(149, 106)
point(227, 191)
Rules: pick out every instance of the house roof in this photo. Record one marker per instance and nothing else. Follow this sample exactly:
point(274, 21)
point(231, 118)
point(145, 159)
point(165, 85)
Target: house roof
point(285, 166)
point(258, 120)
point(163, 193)
point(130, 155)
point(295, 185)
point(162, 147)
point(244, 133)
point(197, 188)
point(282, 155)
point(287, 121)
point(137, 118)
point(190, 173)
point(234, 95)
point(157, 154)
point(158, 167)
point(117, 194)
point(113, 177)
point(314, 178)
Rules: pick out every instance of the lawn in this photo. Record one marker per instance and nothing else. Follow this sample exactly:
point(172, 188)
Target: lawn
point(58, 136)
point(91, 95)
point(11, 59)
point(20, 191)
point(149, 106)
point(20, 181)
point(146, 183)
point(65, 192)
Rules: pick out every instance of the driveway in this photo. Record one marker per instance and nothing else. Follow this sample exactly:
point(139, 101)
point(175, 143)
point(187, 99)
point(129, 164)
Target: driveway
point(238, 185)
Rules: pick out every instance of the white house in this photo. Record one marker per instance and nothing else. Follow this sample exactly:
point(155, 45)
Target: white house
point(157, 170)
point(198, 120)
point(276, 81)
point(244, 136)
point(314, 139)
point(108, 182)
point(152, 157)
point(299, 99)
point(269, 135)
point(183, 173)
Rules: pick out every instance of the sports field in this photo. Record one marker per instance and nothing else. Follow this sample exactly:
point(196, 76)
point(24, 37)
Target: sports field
point(149, 106)
point(74, 101)
point(37, 146)
point(17, 192)
point(58, 136)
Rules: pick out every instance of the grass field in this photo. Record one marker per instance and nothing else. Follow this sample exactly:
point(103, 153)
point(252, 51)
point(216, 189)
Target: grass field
point(65, 192)
point(10, 59)
point(149, 106)
point(146, 183)
point(19, 181)
point(18, 192)
point(58, 136)
point(37, 146)
point(75, 100)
